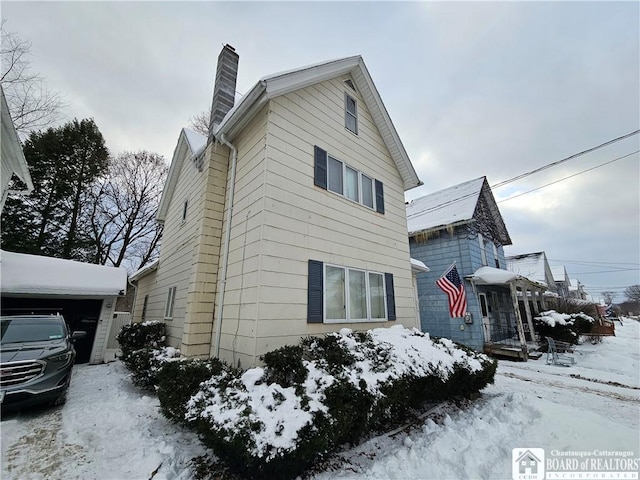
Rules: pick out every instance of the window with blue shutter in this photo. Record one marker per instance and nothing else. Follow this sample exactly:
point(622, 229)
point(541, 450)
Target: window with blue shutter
point(391, 299)
point(337, 177)
point(320, 167)
point(315, 297)
point(379, 197)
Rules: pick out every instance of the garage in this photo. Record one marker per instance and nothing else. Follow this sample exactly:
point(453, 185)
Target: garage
point(85, 294)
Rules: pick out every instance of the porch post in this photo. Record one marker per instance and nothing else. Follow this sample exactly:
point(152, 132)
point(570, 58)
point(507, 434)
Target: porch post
point(523, 341)
point(534, 296)
point(542, 301)
point(527, 310)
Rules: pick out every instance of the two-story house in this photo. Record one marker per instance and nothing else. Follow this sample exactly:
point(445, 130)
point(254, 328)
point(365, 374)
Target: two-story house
point(287, 221)
point(463, 224)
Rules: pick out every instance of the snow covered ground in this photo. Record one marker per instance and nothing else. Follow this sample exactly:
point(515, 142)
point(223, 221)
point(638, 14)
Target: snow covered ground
point(110, 430)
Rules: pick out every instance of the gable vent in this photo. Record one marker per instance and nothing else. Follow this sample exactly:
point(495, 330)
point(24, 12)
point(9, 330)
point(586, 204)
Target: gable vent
point(350, 84)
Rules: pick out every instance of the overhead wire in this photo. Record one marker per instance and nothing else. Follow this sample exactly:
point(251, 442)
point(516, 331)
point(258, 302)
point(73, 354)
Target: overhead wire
point(568, 177)
point(553, 164)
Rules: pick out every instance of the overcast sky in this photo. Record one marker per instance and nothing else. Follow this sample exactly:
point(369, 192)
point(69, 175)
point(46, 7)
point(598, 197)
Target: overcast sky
point(495, 89)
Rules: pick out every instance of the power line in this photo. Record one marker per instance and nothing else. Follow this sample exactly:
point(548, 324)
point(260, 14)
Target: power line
point(518, 177)
point(591, 261)
point(570, 176)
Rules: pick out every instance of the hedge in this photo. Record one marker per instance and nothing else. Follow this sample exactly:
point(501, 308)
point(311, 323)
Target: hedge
point(276, 421)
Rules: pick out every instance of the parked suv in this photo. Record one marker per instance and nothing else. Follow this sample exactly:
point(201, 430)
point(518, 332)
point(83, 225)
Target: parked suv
point(37, 357)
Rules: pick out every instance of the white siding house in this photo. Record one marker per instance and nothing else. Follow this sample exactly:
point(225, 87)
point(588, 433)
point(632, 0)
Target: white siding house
point(311, 173)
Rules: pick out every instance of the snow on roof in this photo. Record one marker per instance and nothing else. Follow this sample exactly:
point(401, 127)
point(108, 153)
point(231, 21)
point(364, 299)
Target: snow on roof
point(559, 273)
point(493, 276)
point(451, 205)
point(33, 274)
point(574, 284)
point(530, 265)
point(197, 142)
point(418, 266)
point(138, 274)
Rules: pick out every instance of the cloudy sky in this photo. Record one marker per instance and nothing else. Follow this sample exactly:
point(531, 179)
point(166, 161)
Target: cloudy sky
point(495, 89)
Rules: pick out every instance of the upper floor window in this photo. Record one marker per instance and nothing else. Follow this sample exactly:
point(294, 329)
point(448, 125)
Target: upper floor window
point(495, 255)
point(350, 113)
point(338, 177)
point(483, 252)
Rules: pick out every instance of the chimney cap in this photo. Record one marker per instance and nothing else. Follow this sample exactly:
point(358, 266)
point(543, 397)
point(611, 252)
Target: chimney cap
point(226, 45)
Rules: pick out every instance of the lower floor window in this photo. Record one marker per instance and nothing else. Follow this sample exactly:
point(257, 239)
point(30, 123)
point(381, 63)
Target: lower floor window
point(353, 295)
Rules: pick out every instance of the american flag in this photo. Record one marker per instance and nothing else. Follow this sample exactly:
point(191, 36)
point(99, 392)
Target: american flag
point(450, 284)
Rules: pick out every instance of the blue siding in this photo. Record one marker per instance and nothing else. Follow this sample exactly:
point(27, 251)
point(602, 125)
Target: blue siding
point(438, 254)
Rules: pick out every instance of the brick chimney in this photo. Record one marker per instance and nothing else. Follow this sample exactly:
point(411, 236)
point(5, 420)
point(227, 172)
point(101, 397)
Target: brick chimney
point(224, 90)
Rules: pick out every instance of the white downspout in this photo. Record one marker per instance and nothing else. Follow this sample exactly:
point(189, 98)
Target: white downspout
point(227, 239)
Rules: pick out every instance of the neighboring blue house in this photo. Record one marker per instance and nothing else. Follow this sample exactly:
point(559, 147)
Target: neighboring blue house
point(463, 224)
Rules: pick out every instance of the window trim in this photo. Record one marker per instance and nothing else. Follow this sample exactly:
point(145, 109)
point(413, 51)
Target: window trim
point(347, 295)
point(170, 303)
point(348, 114)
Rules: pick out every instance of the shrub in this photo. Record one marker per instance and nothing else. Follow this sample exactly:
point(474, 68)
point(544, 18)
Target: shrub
point(177, 382)
point(137, 336)
point(143, 351)
point(333, 390)
point(562, 326)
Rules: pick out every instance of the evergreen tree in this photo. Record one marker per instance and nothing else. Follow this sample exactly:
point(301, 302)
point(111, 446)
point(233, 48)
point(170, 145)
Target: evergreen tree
point(64, 163)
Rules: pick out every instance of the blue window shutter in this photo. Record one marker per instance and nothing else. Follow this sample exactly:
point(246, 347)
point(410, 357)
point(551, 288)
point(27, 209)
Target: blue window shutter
point(320, 167)
point(379, 197)
point(315, 297)
point(391, 299)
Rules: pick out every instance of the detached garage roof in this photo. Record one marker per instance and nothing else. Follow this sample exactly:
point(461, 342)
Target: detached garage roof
point(34, 274)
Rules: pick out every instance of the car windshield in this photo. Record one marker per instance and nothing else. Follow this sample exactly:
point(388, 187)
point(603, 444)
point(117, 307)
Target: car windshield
point(20, 330)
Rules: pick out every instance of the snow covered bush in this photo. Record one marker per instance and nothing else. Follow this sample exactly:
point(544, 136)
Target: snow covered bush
point(276, 421)
point(565, 327)
point(141, 335)
point(144, 352)
point(177, 382)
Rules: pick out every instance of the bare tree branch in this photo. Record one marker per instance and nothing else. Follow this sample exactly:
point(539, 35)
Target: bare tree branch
point(200, 123)
point(31, 104)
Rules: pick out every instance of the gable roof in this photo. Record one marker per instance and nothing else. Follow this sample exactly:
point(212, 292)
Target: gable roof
point(281, 83)
point(190, 145)
point(455, 205)
point(560, 274)
point(531, 265)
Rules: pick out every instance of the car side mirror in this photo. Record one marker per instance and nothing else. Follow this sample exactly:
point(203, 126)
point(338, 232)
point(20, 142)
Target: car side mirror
point(78, 335)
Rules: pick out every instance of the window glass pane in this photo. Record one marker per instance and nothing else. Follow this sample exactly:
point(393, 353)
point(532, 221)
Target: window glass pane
point(334, 180)
point(335, 293)
point(351, 184)
point(351, 123)
point(357, 295)
point(351, 105)
point(376, 295)
point(367, 191)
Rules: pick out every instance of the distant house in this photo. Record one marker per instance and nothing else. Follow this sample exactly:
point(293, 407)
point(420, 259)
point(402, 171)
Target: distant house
point(562, 281)
point(463, 224)
point(576, 289)
point(13, 161)
point(287, 221)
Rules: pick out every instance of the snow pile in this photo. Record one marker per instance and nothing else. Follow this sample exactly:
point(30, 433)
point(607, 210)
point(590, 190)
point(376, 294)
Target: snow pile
point(553, 318)
point(271, 420)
